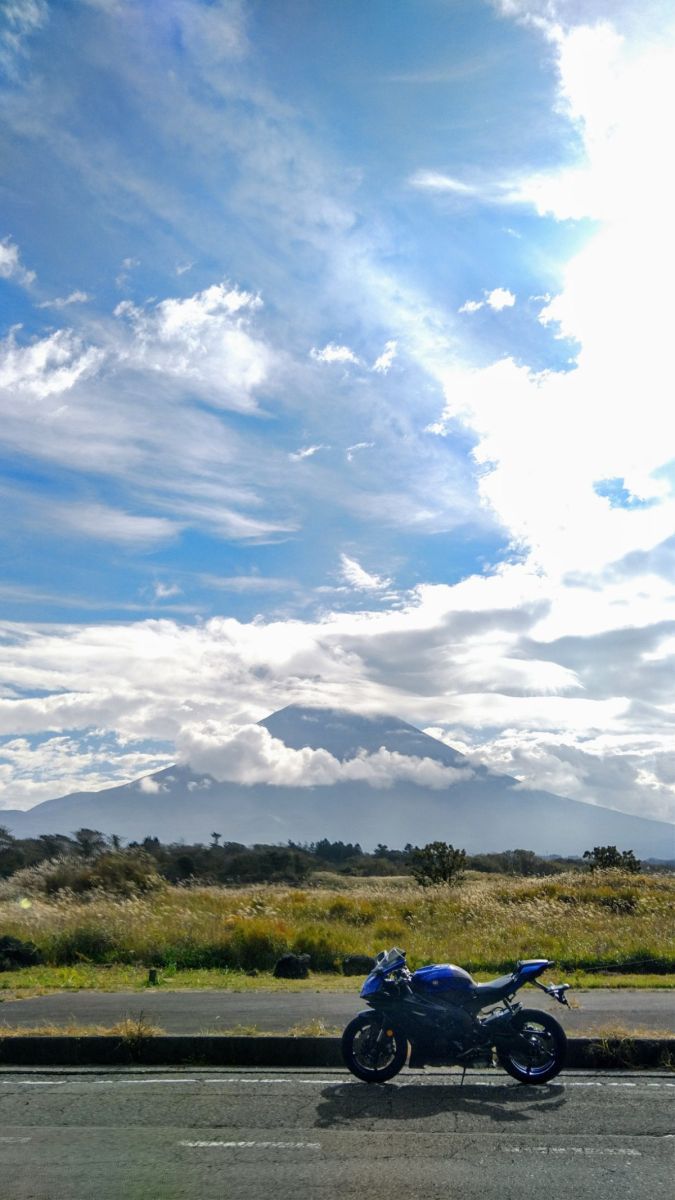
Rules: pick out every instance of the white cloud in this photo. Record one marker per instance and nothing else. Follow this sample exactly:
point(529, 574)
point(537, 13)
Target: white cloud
point(11, 266)
point(125, 408)
point(18, 20)
point(31, 772)
point(248, 754)
point(547, 438)
point(48, 366)
point(497, 299)
point(332, 353)
point(203, 341)
point(149, 786)
point(500, 298)
point(163, 591)
point(128, 264)
point(101, 522)
point(509, 660)
point(471, 306)
point(76, 297)
point(306, 452)
point(383, 363)
point(350, 451)
point(435, 181)
point(248, 583)
point(353, 574)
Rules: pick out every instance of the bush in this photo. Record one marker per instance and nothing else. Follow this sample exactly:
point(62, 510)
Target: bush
point(608, 858)
point(122, 873)
point(325, 954)
point(257, 943)
point(86, 943)
point(15, 953)
point(438, 862)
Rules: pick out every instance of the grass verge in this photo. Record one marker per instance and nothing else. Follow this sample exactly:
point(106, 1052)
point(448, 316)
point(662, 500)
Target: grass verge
point(131, 1029)
point(40, 981)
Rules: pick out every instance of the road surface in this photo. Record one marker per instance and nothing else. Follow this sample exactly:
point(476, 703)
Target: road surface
point(212, 1010)
point(179, 1135)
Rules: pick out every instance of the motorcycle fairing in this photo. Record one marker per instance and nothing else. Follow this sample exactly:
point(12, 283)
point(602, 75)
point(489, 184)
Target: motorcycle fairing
point(372, 984)
point(442, 978)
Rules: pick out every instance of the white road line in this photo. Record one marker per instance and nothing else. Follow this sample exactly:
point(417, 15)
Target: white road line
point(603, 1083)
point(235, 1080)
point(139, 1082)
point(4, 1140)
point(255, 1145)
point(405, 1082)
point(585, 1150)
point(314, 1082)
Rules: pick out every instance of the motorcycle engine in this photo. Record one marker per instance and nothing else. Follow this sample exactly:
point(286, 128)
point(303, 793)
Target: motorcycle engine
point(440, 1032)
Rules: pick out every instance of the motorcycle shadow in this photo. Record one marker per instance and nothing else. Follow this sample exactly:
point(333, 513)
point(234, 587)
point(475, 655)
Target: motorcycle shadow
point(349, 1103)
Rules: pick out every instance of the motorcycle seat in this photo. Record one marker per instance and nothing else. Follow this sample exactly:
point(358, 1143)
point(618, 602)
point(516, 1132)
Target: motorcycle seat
point(495, 989)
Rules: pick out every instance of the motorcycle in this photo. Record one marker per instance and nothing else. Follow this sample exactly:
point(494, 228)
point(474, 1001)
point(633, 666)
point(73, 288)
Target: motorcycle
point(434, 1012)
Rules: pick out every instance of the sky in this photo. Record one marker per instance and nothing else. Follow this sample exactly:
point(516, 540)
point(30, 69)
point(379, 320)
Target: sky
point(336, 368)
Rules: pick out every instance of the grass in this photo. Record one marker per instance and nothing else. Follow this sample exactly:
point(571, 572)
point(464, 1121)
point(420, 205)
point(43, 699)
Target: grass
point(619, 1032)
point(315, 1028)
point(210, 936)
point(40, 981)
point(132, 1030)
point(136, 1031)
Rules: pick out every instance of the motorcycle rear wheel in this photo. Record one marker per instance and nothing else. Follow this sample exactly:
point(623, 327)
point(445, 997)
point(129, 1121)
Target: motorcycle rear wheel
point(538, 1049)
point(368, 1059)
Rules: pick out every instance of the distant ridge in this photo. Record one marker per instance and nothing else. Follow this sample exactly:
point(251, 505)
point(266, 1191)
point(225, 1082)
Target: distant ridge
point(486, 812)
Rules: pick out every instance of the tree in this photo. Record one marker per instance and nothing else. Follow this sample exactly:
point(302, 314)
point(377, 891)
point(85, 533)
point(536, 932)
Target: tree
point(89, 842)
point(520, 862)
point(6, 838)
point(606, 858)
point(55, 845)
point(438, 862)
point(215, 838)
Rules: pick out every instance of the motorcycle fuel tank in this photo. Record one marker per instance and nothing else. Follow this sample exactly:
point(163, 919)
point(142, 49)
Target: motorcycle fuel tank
point(442, 979)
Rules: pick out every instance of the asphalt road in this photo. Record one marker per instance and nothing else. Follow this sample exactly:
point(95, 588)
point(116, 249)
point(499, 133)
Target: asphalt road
point(140, 1135)
point(214, 1010)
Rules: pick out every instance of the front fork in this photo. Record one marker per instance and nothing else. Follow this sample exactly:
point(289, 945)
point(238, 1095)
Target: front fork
point(385, 1030)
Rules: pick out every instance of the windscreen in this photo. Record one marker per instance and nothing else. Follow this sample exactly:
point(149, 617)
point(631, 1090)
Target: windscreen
point(387, 961)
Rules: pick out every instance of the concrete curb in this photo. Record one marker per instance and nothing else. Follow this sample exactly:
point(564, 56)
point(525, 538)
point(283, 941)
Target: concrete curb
point(608, 1054)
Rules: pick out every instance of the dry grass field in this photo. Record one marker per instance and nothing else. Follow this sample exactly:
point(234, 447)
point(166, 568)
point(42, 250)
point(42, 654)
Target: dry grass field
point(580, 920)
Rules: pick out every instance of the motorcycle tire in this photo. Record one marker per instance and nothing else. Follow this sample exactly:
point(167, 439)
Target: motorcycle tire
point(368, 1061)
point(538, 1049)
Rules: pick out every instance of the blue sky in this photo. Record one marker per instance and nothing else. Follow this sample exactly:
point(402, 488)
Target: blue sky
point(323, 347)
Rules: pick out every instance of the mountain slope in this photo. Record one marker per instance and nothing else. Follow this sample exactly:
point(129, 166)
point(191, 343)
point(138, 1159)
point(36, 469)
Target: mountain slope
point(482, 813)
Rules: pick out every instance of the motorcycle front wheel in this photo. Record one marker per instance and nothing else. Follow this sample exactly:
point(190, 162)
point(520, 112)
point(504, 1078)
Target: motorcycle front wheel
point(537, 1050)
point(369, 1056)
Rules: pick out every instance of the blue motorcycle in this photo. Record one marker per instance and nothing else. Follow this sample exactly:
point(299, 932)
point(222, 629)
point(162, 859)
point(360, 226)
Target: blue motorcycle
point(434, 1013)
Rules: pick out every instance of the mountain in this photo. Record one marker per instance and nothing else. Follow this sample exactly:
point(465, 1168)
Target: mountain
point(481, 813)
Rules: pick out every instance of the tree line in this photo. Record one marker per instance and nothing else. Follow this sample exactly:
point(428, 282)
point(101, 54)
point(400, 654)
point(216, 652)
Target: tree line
point(89, 858)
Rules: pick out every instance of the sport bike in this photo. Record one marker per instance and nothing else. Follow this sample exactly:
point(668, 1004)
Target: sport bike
point(436, 1012)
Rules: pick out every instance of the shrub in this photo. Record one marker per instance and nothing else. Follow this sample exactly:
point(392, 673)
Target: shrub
point(123, 873)
point(15, 953)
point(607, 858)
point(325, 953)
point(85, 943)
point(257, 943)
point(438, 862)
